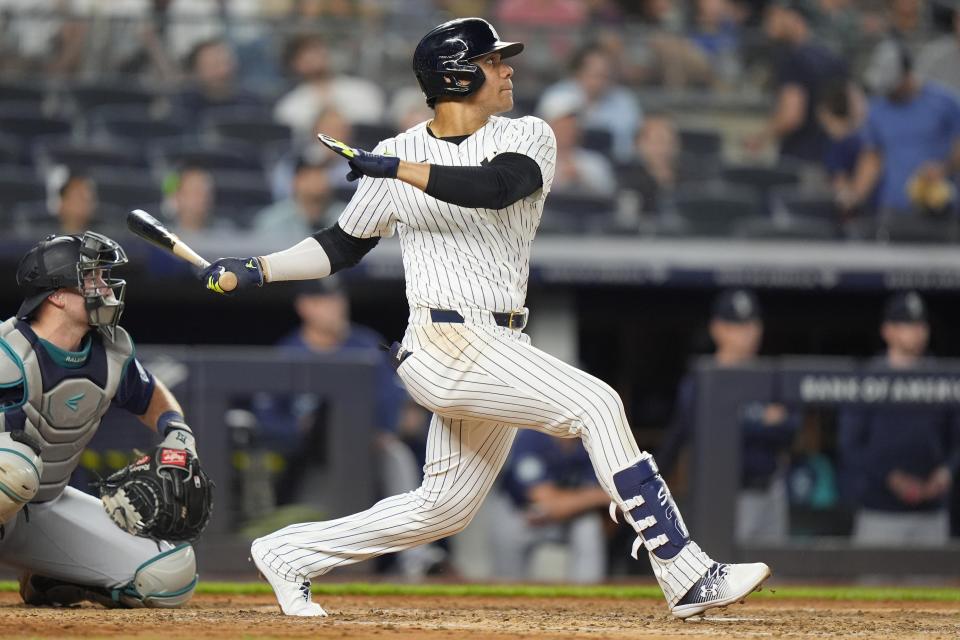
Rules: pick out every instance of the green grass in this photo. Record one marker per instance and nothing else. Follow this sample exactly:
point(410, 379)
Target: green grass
point(565, 591)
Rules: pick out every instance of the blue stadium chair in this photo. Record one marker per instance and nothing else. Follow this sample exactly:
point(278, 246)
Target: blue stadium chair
point(239, 195)
point(10, 150)
point(714, 210)
point(258, 132)
point(805, 204)
point(131, 124)
point(761, 178)
point(25, 93)
point(904, 229)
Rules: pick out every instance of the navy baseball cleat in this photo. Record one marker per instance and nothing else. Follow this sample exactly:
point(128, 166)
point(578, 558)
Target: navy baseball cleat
point(723, 584)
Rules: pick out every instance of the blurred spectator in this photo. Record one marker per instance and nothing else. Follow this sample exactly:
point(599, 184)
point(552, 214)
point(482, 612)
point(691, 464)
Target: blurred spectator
point(320, 87)
point(606, 104)
point(666, 56)
point(717, 34)
point(901, 460)
point(549, 494)
point(74, 201)
point(408, 108)
point(908, 20)
point(295, 426)
point(577, 170)
point(803, 68)
point(767, 428)
point(213, 81)
point(653, 174)
point(331, 122)
point(46, 36)
point(842, 111)
point(910, 139)
point(939, 60)
point(191, 203)
point(311, 207)
point(541, 13)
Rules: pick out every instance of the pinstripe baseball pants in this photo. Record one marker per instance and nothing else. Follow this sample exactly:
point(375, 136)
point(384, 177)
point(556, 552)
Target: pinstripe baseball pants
point(482, 382)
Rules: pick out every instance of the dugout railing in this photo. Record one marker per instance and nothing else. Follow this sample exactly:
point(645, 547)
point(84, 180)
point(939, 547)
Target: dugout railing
point(211, 381)
point(802, 382)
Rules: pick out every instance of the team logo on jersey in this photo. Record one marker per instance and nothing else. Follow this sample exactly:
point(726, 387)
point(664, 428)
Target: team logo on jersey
point(73, 403)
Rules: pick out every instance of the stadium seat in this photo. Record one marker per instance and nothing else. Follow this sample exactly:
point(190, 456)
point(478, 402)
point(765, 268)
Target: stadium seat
point(86, 157)
point(233, 156)
point(23, 93)
point(761, 178)
point(19, 184)
point(9, 150)
point(133, 124)
point(260, 132)
point(906, 229)
point(239, 195)
point(700, 141)
point(25, 125)
point(785, 228)
point(368, 136)
point(804, 204)
point(128, 189)
point(89, 96)
point(599, 140)
point(714, 210)
point(575, 213)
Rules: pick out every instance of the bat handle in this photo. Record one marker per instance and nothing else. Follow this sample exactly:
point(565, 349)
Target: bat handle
point(228, 281)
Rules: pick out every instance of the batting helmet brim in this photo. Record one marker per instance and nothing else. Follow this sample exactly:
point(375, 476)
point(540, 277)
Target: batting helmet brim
point(505, 49)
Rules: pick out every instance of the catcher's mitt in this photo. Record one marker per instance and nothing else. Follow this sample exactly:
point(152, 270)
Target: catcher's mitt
point(164, 496)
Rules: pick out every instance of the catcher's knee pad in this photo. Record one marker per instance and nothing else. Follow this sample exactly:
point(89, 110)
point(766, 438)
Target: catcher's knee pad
point(165, 581)
point(650, 509)
point(20, 471)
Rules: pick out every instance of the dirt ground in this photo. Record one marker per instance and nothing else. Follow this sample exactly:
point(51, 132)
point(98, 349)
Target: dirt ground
point(254, 617)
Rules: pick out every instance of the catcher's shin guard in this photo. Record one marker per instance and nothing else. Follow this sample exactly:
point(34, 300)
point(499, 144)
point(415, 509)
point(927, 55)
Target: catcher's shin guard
point(677, 561)
point(164, 581)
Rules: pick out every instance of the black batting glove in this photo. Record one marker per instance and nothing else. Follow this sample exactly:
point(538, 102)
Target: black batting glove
point(247, 271)
point(362, 163)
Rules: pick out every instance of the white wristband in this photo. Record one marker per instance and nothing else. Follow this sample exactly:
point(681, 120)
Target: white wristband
point(304, 261)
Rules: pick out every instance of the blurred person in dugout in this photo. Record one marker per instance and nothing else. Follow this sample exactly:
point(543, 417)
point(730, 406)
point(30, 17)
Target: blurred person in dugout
point(900, 461)
point(295, 426)
point(767, 428)
point(549, 495)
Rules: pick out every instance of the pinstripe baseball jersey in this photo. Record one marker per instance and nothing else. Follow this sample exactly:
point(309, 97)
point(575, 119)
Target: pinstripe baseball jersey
point(456, 257)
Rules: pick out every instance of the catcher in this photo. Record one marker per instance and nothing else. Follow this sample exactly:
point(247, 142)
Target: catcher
point(63, 361)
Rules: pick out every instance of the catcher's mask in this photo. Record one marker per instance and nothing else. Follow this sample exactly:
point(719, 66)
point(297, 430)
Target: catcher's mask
point(83, 262)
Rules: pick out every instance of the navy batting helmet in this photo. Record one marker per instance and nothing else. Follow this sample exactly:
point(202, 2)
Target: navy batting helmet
point(442, 61)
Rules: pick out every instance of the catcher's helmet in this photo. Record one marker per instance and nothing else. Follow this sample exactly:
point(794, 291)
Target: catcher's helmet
point(81, 261)
point(442, 60)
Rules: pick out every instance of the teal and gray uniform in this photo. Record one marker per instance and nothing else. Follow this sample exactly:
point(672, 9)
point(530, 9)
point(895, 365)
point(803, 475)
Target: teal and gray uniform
point(59, 398)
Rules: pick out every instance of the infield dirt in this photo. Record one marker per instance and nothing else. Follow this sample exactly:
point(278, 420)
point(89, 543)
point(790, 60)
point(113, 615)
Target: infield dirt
point(216, 617)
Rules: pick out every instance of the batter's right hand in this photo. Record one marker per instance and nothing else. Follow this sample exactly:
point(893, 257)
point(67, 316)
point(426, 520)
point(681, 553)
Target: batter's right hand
point(247, 270)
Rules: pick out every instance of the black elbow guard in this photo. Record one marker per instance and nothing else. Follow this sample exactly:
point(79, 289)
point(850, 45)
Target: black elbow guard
point(342, 249)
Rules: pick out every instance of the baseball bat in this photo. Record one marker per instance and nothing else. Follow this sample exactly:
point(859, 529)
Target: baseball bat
point(150, 229)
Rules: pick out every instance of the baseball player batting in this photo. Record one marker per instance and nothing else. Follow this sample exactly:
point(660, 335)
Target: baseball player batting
point(465, 191)
point(64, 360)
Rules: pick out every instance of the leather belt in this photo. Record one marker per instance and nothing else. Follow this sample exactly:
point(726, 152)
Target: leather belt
point(510, 319)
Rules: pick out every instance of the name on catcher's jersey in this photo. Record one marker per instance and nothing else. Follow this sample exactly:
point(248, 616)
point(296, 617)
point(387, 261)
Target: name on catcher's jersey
point(456, 257)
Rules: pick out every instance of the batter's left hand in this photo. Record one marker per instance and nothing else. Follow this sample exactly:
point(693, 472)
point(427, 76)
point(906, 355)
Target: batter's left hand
point(362, 163)
point(247, 271)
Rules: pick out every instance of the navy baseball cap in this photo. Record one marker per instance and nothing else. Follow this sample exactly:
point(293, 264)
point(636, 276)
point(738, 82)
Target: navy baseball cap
point(736, 305)
point(328, 286)
point(906, 306)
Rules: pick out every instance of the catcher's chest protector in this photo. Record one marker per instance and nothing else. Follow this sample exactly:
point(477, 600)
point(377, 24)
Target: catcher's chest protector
point(64, 406)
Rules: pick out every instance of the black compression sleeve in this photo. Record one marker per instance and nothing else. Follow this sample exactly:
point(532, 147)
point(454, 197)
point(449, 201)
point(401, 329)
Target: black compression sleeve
point(343, 249)
point(496, 185)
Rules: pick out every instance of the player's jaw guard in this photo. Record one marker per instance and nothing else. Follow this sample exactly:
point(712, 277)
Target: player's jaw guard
point(81, 261)
point(443, 63)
